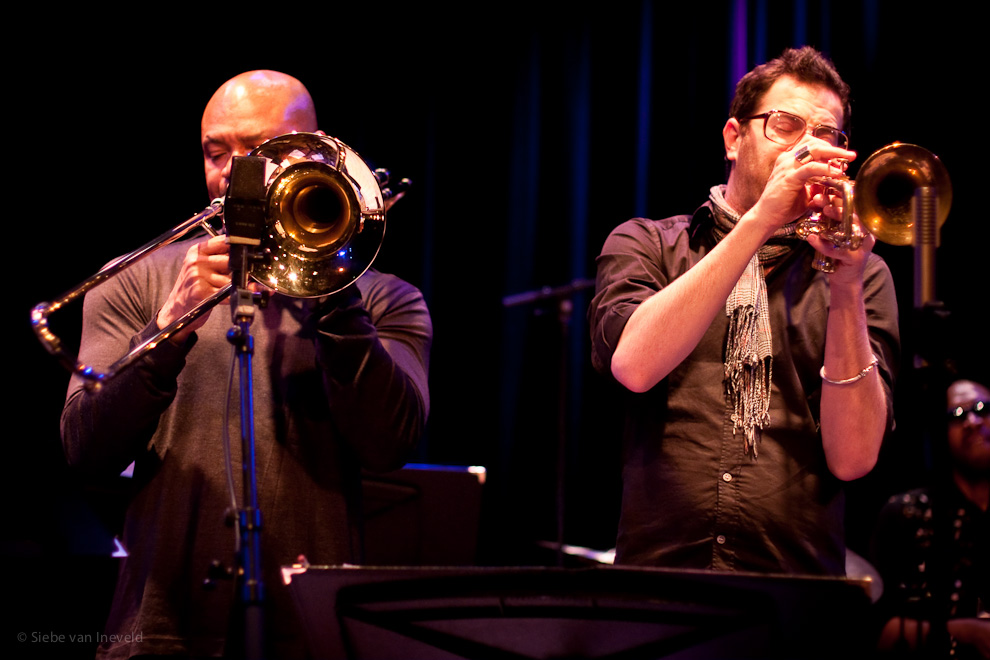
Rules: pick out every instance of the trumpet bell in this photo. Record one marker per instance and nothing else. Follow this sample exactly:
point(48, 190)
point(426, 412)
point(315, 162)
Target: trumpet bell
point(327, 214)
point(885, 188)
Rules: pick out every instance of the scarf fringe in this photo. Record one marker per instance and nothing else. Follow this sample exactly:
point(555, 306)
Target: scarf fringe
point(747, 378)
point(749, 344)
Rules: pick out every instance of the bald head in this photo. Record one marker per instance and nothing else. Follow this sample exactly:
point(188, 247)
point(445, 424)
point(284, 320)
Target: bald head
point(255, 95)
point(247, 110)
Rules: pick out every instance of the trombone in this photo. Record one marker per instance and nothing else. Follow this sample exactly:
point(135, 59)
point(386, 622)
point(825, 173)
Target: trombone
point(325, 215)
point(882, 196)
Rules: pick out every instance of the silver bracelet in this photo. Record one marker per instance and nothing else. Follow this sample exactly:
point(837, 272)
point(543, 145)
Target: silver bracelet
point(846, 381)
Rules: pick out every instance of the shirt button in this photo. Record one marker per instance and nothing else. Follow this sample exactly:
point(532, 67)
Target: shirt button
point(720, 539)
point(726, 477)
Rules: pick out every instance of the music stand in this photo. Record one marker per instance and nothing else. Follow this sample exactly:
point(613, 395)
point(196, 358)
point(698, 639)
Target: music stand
point(602, 612)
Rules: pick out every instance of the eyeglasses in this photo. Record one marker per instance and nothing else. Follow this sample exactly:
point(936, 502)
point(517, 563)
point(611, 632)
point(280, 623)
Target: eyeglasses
point(959, 413)
point(786, 129)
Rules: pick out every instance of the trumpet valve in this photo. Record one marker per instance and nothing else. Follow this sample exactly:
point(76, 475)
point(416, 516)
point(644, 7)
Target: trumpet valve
point(809, 224)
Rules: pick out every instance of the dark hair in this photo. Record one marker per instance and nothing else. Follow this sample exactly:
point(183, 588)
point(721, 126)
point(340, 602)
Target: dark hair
point(805, 64)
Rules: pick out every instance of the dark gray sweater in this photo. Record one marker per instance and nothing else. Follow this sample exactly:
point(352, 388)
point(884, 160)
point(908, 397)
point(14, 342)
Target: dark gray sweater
point(339, 384)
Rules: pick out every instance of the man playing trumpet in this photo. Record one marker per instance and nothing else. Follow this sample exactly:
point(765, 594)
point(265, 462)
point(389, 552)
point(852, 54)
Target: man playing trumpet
point(756, 383)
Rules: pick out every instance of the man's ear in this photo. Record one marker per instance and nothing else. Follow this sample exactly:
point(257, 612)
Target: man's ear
point(731, 134)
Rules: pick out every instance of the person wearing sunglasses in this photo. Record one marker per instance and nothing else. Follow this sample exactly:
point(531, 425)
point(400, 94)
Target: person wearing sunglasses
point(755, 384)
point(932, 544)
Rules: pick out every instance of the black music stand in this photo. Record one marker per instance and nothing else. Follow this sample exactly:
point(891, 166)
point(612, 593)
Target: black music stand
point(604, 612)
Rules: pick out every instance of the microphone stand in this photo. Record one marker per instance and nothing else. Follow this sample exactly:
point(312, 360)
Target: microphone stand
point(932, 357)
point(924, 209)
point(563, 297)
point(244, 218)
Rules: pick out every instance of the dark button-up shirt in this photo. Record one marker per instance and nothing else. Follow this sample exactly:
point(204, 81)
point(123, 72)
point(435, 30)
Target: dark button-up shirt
point(693, 497)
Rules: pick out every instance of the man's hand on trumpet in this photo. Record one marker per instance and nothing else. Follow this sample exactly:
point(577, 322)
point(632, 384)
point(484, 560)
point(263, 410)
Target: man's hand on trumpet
point(788, 192)
point(849, 261)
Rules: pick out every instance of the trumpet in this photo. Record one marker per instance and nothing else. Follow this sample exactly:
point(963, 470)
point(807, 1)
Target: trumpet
point(882, 197)
point(325, 221)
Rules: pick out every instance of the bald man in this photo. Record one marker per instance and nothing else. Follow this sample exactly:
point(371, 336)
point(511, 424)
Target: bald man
point(340, 384)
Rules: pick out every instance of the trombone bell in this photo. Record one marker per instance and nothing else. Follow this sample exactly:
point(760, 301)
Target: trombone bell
point(326, 216)
point(325, 212)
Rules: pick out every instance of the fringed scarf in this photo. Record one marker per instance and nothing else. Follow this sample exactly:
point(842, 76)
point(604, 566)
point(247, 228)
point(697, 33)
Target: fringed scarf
point(749, 344)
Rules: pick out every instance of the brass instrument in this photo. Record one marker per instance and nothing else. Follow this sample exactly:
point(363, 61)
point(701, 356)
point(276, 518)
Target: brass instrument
point(881, 196)
point(325, 219)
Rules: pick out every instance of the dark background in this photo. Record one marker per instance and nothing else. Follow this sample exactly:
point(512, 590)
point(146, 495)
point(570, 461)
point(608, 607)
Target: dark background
point(530, 130)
